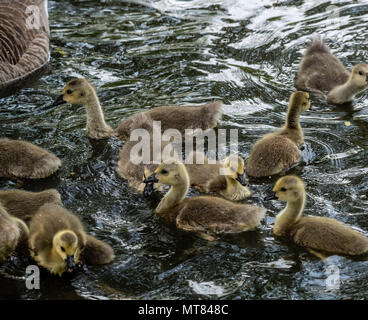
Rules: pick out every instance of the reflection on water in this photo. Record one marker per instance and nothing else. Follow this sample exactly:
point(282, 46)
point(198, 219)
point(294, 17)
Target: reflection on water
point(142, 54)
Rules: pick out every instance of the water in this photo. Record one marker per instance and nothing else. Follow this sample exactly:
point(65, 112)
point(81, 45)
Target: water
point(191, 52)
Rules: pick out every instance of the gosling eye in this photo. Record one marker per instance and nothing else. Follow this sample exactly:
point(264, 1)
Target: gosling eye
point(62, 249)
point(361, 73)
point(163, 171)
point(283, 189)
point(69, 91)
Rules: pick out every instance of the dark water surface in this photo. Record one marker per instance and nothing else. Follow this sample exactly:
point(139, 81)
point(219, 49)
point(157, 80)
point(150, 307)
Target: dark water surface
point(189, 52)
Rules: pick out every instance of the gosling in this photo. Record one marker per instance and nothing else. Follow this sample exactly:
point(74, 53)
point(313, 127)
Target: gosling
point(276, 152)
point(12, 232)
point(24, 160)
point(204, 215)
point(57, 241)
point(80, 91)
point(317, 234)
point(321, 72)
point(132, 166)
point(24, 204)
point(227, 179)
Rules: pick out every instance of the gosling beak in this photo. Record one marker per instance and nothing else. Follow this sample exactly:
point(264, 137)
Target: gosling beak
point(310, 106)
point(366, 77)
point(271, 197)
point(60, 100)
point(148, 188)
point(151, 179)
point(70, 263)
point(241, 179)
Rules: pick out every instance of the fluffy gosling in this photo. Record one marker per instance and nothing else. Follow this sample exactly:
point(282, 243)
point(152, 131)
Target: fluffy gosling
point(278, 151)
point(230, 183)
point(80, 91)
point(57, 241)
point(321, 72)
point(24, 160)
point(204, 215)
point(12, 232)
point(318, 234)
point(25, 204)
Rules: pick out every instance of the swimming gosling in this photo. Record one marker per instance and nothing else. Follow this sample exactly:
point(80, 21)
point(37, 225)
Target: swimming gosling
point(316, 233)
point(321, 72)
point(80, 91)
point(227, 178)
point(204, 215)
point(24, 160)
point(132, 164)
point(12, 232)
point(25, 204)
point(57, 241)
point(278, 151)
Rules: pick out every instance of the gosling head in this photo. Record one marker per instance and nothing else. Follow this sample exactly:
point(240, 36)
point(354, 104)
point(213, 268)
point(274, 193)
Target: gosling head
point(65, 243)
point(169, 173)
point(288, 189)
point(359, 76)
point(234, 169)
point(299, 100)
point(76, 91)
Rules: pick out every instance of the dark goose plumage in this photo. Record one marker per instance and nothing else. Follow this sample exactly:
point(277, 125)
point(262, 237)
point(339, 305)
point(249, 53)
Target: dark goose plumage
point(24, 42)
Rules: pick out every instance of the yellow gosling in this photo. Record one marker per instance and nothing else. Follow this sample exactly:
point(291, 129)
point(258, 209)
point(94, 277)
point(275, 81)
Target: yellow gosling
point(57, 241)
point(278, 151)
point(208, 178)
point(204, 215)
point(318, 234)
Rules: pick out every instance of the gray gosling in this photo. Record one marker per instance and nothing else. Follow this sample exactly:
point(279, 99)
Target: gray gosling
point(24, 160)
point(25, 204)
point(80, 91)
point(131, 165)
point(321, 72)
point(12, 232)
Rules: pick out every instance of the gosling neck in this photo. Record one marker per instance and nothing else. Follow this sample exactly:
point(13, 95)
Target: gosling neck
point(290, 215)
point(292, 118)
point(54, 256)
point(343, 93)
point(231, 183)
point(175, 195)
point(96, 125)
point(235, 190)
